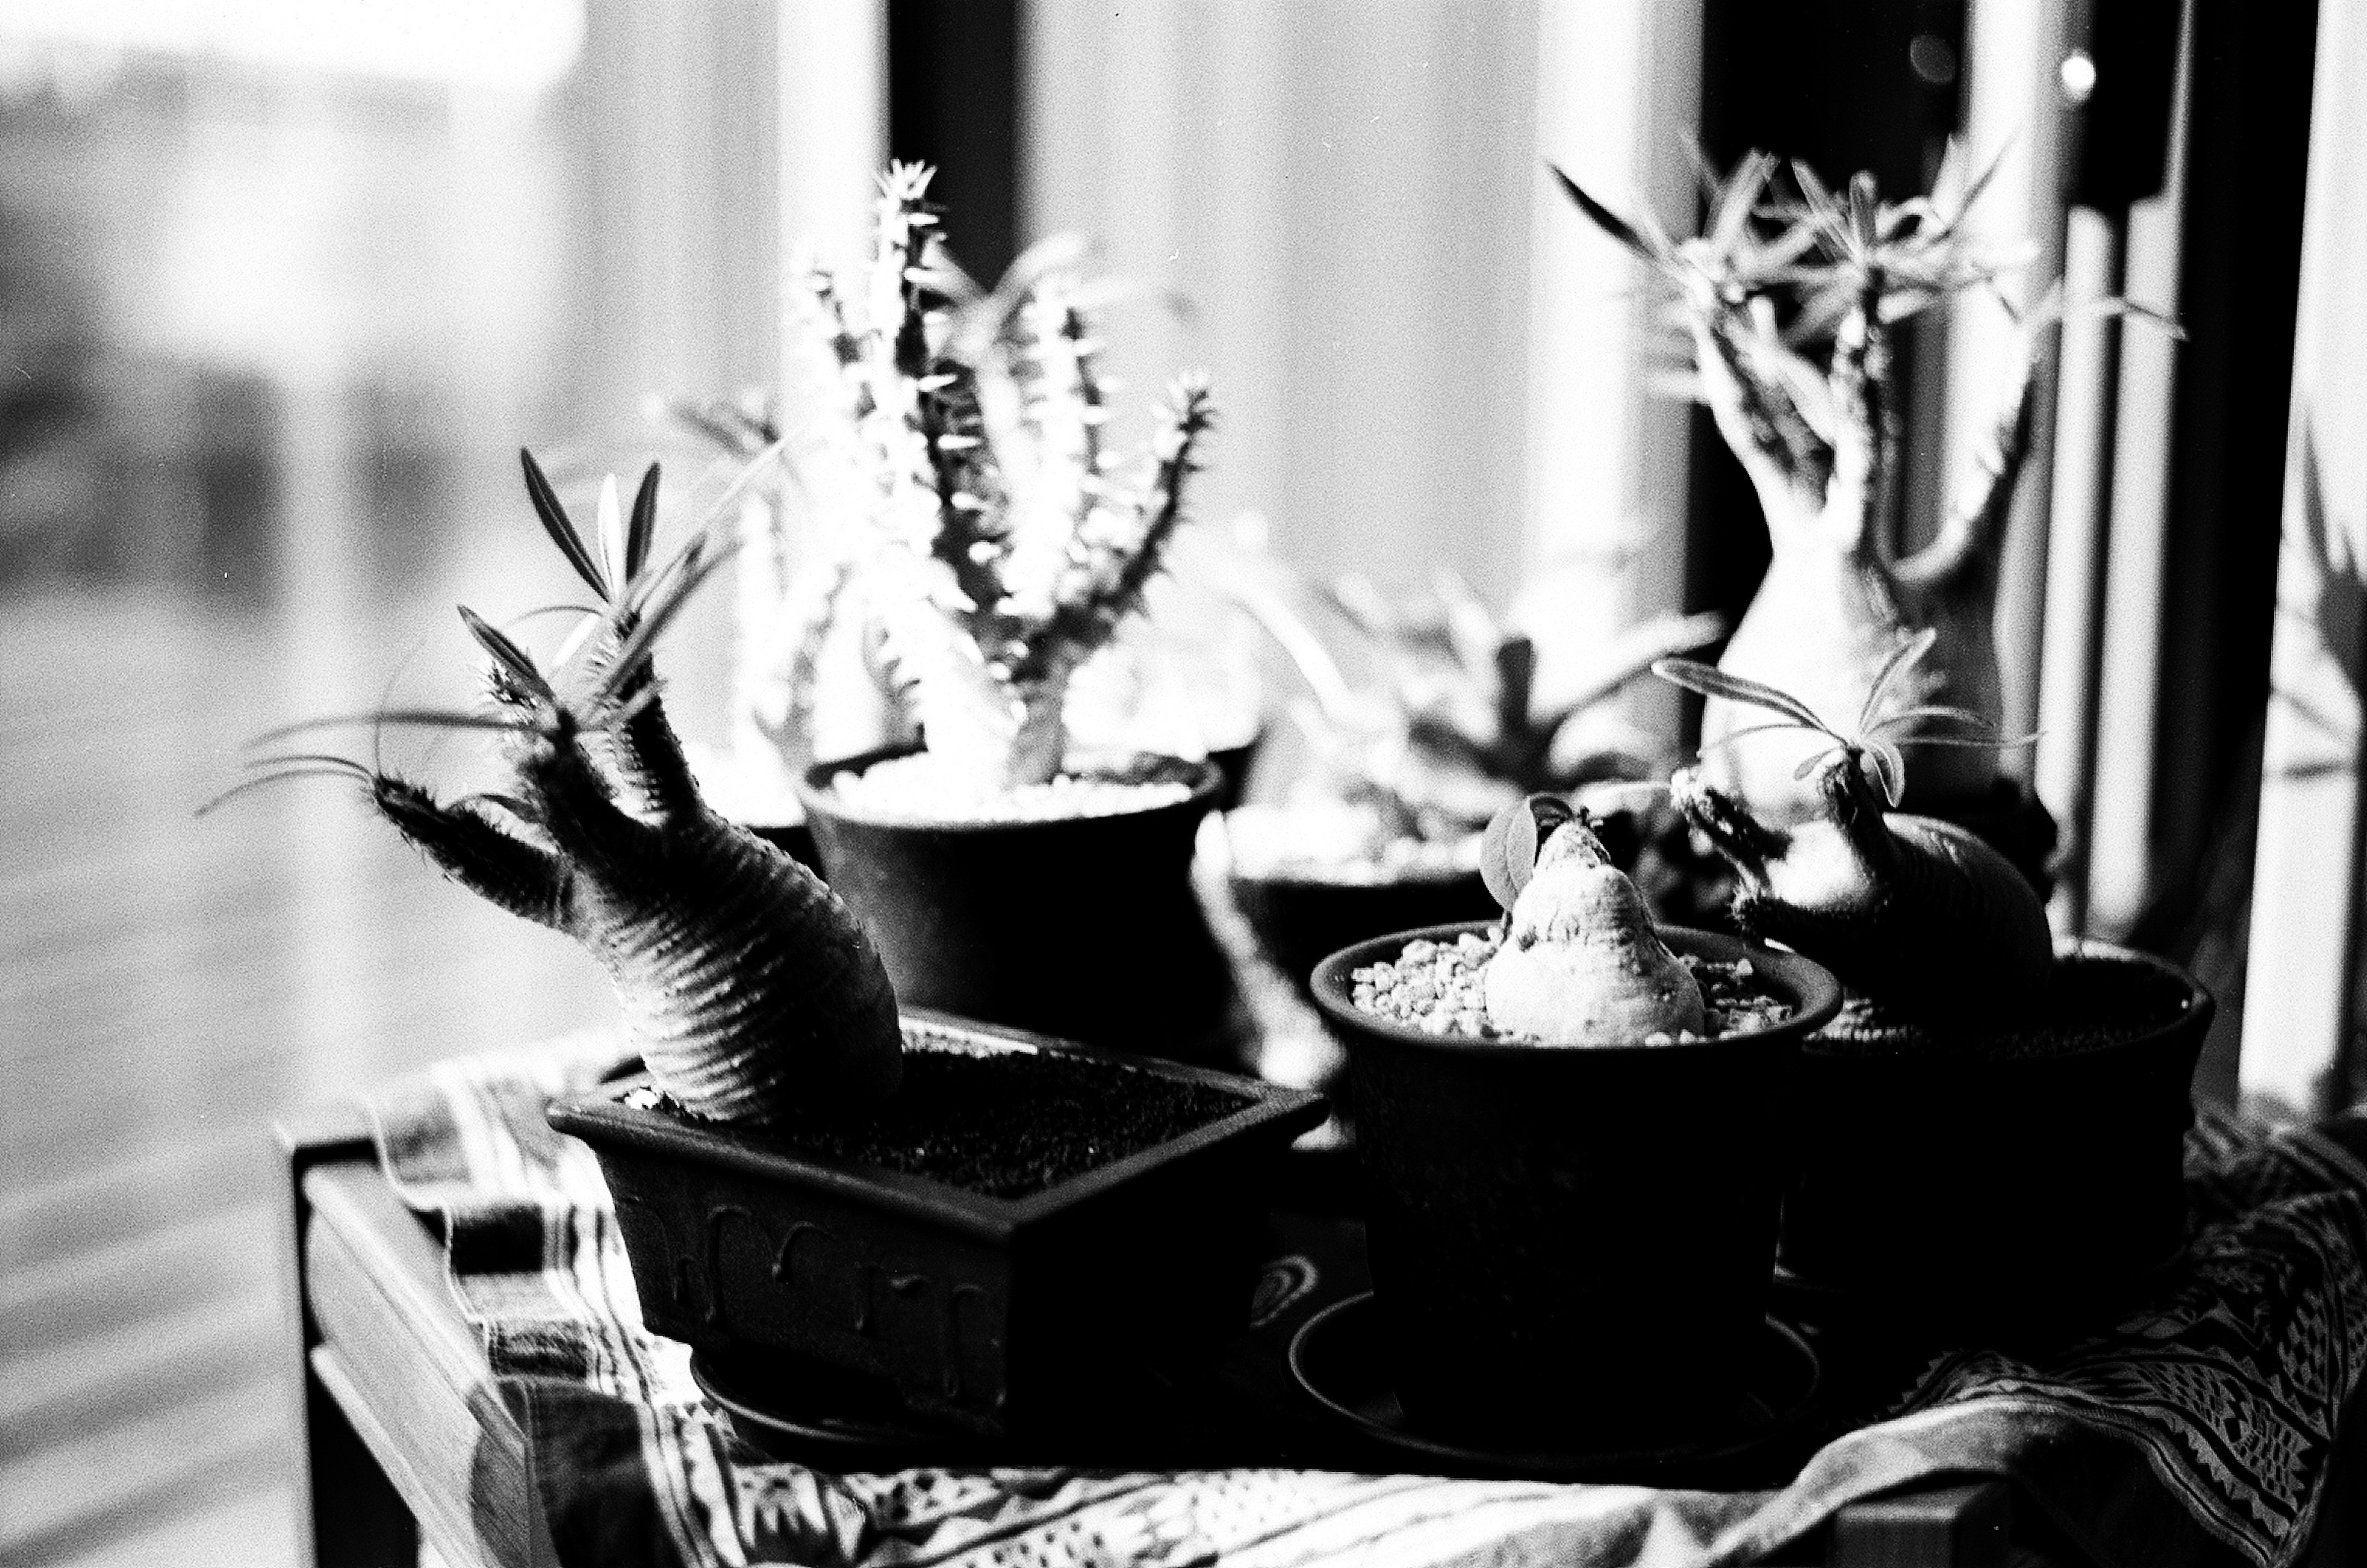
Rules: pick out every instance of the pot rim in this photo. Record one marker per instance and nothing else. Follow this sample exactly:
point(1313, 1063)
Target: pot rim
point(2195, 1014)
point(820, 801)
point(1266, 1109)
point(1819, 996)
point(1444, 879)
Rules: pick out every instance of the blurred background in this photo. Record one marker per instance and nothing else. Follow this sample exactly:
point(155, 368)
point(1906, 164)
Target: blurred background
point(284, 286)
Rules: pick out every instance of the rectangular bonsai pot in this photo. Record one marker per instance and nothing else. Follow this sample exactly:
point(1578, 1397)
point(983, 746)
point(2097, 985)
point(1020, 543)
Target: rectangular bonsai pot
point(997, 1315)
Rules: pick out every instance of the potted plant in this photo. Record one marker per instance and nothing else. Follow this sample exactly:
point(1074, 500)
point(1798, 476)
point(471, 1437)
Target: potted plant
point(991, 1228)
point(1571, 1131)
point(809, 675)
point(1002, 546)
point(1792, 306)
point(1382, 832)
point(1991, 1129)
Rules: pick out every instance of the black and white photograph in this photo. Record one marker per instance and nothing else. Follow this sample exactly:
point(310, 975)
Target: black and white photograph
point(1184, 783)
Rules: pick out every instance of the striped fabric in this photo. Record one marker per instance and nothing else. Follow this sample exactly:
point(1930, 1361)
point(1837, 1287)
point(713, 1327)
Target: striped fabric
point(2197, 1432)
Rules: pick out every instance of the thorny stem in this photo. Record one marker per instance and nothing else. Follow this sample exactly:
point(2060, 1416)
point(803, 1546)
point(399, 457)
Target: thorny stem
point(981, 430)
point(481, 856)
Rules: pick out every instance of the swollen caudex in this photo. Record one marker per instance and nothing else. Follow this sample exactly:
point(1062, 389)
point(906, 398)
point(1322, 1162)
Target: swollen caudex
point(749, 988)
point(1581, 964)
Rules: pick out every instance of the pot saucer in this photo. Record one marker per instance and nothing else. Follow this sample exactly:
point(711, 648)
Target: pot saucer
point(1337, 1359)
point(816, 1415)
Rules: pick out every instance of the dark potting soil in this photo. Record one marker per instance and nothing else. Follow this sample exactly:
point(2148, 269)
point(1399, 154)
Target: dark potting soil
point(1007, 1124)
point(2088, 1003)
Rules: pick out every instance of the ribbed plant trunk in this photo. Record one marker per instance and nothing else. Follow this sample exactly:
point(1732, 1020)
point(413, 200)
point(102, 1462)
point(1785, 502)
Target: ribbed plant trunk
point(1838, 600)
point(1826, 620)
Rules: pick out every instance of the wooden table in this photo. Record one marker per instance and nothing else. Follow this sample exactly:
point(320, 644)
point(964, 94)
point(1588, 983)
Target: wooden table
point(406, 1438)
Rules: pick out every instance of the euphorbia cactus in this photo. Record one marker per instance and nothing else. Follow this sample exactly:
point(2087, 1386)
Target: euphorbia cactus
point(1581, 964)
point(1791, 307)
point(1005, 551)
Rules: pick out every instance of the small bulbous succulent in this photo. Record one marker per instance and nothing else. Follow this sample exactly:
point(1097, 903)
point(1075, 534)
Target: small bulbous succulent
point(1909, 910)
point(1581, 964)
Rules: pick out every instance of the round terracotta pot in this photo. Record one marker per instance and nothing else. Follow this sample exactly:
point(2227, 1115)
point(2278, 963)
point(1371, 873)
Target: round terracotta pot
point(1081, 926)
point(1952, 1192)
point(1570, 1243)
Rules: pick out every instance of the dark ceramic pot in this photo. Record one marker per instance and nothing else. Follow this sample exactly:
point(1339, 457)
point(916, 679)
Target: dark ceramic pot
point(1084, 927)
point(1233, 764)
point(1570, 1242)
point(1951, 1193)
point(1299, 921)
point(995, 1316)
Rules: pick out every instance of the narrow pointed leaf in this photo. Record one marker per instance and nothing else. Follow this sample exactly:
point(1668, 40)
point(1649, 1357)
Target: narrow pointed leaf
point(608, 528)
point(1604, 218)
point(1739, 198)
point(427, 718)
point(1731, 736)
point(555, 523)
point(644, 529)
point(1976, 742)
point(1711, 682)
point(1921, 711)
point(1902, 659)
point(1889, 771)
point(660, 611)
point(505, 653)
point(246, 786)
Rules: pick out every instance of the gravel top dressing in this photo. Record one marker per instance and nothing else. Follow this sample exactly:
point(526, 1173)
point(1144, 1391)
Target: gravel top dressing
point(2089, 1002)
point(1436, 987)
point(924, 788)
point(1006, 1123)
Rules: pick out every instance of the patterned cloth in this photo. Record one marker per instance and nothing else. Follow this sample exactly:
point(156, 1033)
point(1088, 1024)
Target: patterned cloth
point(2196, 1432)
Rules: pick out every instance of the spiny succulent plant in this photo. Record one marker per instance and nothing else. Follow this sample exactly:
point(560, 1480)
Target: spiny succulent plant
point(1003, 548)
point(748, 986)
point(1790, 303)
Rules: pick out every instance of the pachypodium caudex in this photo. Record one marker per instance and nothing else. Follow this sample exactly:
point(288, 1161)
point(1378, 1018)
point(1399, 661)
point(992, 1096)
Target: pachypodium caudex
point(1791, 304)
point(1909, 910)
point(1580, 963)
point(1008, 547)
point(748, 986)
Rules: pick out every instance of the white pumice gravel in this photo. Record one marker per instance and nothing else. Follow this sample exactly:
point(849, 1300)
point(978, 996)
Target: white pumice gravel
point(920, 788)
point(1437, 987)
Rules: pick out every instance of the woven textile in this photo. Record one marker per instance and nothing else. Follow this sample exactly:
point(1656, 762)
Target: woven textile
point(2195, 1432)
